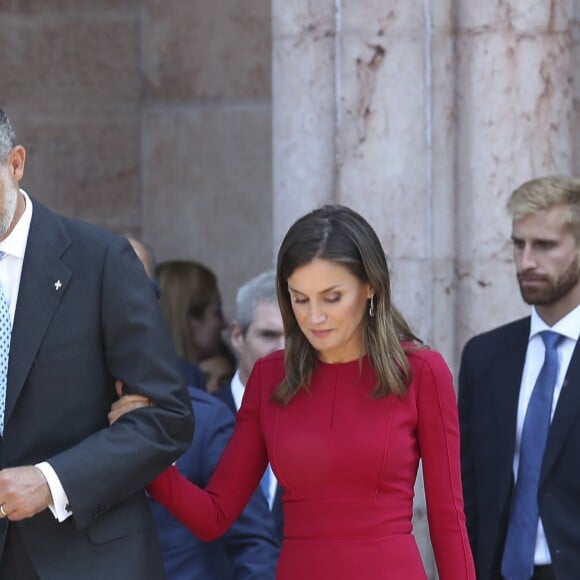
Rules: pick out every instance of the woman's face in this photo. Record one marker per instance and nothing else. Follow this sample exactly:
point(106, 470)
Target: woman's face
point(206, 330)
point(330, 305)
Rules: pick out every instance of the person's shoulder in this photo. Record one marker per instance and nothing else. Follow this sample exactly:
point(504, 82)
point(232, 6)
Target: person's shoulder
point(496, 337)
point(201, 398)
point(211, 414)
point(419, 355)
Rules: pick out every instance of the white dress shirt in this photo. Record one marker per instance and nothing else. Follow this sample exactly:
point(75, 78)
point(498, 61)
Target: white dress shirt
point(238, 388)
point(569, 327)
point(14, 247)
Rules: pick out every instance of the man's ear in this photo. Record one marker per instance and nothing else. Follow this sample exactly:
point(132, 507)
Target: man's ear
point(16, 161)
point(237, 336)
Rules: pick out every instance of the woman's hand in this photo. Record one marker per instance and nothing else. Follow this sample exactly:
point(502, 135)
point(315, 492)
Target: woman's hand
point(126, 403)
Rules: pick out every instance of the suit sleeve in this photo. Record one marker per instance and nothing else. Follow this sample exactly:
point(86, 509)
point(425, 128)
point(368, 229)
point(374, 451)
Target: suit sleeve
point(438, 433)
point(209, 513)
point(250, 542)
point(115, 462)
point(467, 463)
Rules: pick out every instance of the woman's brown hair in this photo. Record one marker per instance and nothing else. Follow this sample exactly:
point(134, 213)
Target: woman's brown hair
point(338, 234)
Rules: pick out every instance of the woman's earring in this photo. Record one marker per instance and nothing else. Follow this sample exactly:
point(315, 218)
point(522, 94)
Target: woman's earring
point(372, 310)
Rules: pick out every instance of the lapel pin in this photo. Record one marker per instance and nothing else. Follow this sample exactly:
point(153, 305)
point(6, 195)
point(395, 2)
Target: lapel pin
point(57, 285)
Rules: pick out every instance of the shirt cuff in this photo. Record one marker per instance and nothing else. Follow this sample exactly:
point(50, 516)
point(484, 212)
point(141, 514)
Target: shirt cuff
point(60, 506)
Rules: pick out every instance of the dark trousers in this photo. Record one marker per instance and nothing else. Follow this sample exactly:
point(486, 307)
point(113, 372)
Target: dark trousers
point(15, 563)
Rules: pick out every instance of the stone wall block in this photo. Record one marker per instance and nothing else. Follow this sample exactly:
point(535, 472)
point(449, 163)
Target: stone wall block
point(220, 217)
point(304, 122)
point(382, 142)
point(521, 16)
point(303, 18)
point(207, 50)
point(76, 166)
point(68, 61)
point(515, 117)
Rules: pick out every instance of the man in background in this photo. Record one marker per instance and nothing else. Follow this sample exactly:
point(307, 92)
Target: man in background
point(73, 318)
point(519, 402)
point(257, 330)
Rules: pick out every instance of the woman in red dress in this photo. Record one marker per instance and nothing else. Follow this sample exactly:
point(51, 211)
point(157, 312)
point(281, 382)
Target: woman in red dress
point(343, 415)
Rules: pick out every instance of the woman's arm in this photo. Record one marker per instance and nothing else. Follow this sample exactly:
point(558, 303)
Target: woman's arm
point(438, 434)
point(209, 513)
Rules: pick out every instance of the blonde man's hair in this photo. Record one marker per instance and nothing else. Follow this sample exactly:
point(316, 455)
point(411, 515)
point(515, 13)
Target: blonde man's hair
point(545, 193)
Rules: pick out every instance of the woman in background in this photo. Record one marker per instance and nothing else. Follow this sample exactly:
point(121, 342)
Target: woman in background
point(343, 415)
point(192, 308)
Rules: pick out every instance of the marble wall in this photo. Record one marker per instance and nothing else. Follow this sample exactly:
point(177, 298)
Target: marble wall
point(206, 135)
point(424, 116)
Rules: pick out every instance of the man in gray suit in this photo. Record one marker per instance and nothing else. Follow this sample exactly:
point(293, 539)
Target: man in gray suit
point(82, 314)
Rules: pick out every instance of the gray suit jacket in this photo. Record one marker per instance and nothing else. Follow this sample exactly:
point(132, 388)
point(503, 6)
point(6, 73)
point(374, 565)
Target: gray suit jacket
point(87, 315)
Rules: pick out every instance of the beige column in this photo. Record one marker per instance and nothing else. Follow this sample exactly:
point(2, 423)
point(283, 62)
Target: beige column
point(304, 109)
point(515, 121)
point(359, 91)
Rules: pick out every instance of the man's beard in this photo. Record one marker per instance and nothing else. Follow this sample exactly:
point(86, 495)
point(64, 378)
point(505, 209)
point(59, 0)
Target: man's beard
point(10, 200)
point(551, 291)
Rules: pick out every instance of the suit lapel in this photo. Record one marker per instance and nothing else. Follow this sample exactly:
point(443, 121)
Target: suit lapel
point(508, 371)
point(567, 409)
point(43, 283)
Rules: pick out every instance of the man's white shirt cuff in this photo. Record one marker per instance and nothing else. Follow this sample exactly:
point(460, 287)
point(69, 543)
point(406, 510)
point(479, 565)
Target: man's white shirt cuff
point(60, 506)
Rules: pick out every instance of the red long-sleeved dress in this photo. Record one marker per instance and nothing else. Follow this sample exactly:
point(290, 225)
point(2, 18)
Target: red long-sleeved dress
point(347, 464)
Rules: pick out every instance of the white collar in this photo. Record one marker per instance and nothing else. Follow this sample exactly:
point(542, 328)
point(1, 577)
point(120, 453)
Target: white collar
point(15, 243)
point(568, 326)
point(237, 388)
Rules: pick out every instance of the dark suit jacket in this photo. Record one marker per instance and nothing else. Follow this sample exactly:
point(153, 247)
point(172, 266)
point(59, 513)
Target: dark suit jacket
point(87, 315)
point(249, 550)
point(225, 395)
point(489, 384)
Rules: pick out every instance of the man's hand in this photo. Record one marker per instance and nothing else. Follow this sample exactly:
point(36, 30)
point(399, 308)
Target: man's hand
point(24, 492)
point(126, 403)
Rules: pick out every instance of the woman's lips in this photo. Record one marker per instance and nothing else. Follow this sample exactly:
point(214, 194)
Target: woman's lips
point(320, 333)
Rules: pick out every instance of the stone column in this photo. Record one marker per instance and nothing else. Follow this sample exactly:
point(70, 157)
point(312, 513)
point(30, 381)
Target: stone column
point(304, 109)
point(359, 91)
point(515, 121)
